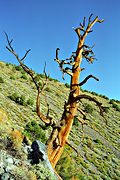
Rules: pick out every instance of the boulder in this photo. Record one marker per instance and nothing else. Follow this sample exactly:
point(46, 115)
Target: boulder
point(39, 154)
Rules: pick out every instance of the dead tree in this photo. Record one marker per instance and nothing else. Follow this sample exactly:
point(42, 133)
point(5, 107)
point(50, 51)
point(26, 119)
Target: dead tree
point(71, 66)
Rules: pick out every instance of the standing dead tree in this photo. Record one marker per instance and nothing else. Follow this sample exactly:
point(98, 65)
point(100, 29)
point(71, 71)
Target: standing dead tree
point(71, 66)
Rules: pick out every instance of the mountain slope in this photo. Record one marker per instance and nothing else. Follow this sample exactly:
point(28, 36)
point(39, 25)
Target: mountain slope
point(97, 144)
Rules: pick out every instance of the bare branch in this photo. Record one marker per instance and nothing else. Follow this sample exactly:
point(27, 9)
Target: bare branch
point(81, 121)
point(90, 18)
point(77, 30)
point(83, 113)
point(88, 28)
point(90, 25)
point(68, 143)
point(9, 42)
point(90, 58)
point(61, 63)
point(84, 21)
point(57, 53)
point(25, 54)
point(46, 120)
point(87, 51)
point(84, 96)
point(87, 78)
point(100, 21)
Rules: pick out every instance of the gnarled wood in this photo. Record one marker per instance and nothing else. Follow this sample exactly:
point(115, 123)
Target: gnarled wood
point(62, 133)
point(72, 67)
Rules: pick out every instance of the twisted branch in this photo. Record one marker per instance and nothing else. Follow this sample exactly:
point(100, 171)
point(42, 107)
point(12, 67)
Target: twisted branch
point(84, 96)
point(88, 28)
point(46, 119)
point(61, 63)
point(87, 78)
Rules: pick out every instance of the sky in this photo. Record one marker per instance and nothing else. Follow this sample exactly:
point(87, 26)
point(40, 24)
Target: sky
point(44, 25)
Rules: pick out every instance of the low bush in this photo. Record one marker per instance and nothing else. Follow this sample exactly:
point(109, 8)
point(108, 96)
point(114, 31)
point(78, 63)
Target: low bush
point(117, 101)
point(9, 64)
point(75, 122)
point(97, 141)
point(88, 108)
point(21, 100)
point(16, 137)
point(111, 101)
point(24, 76)
point(67, 85)
point(94, 93)
point(12, 77)
point(42, 75)
point(34, 131)
point(30, 102)
point(52, 79)
point(18, 99)
point(47, 89)
point(1, 80)
point(13, 97)
point(18, 68)
point(106, 109)
point(103, 96)
point(115, 106)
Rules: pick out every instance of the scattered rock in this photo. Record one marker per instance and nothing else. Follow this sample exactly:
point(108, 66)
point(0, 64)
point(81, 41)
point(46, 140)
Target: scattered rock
point(37, 155)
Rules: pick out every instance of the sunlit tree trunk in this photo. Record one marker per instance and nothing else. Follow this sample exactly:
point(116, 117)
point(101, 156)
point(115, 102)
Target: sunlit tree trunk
point(60, 135)
point(72, 66)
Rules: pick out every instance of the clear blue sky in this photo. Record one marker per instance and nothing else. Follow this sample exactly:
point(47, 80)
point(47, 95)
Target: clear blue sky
point(44, 25)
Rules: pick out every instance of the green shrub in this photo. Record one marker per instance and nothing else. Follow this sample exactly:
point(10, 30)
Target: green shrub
point(42, 75)
point(9, 64)
point(34, 131)
point(48, 89)
point(38, 80)
point(52, 79)
point(90, 143)
point(21, 100)
point(67, 85)
point(94, 93)
point(42, 172)
point(88, 108)
point(117, 101)
point(18, 99)
point(97, 141)
point(106, 109)
point(40, 84)
point(55, 80)
point(115, 106)
point(13, 97)
point(111, 101)
point(58, 94)
point(12, 77)
point(30, 102)
point(1, 80)
point(103, 96)
point(18, 68)
point(24, 76)
point(75, 122)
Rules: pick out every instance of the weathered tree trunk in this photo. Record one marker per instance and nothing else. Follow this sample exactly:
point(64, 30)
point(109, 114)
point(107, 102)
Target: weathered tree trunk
point(61, 129)
point(60, 135)
point(70, 110)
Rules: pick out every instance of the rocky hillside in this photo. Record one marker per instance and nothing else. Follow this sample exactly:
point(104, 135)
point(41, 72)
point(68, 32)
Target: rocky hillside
point(96, 153)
